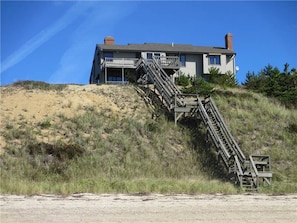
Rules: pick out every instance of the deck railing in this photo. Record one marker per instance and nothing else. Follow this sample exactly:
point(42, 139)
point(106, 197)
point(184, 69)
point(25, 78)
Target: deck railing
point(170, 62)
point(120, 62)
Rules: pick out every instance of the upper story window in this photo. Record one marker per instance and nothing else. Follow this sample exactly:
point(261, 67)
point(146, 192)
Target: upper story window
point(107, 55)
point(182, 60)
point(149, 55)
point(214, 59)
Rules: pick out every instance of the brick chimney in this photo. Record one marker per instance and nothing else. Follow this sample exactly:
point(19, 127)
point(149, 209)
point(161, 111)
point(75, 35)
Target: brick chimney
point(228, 41)
point(109, 40)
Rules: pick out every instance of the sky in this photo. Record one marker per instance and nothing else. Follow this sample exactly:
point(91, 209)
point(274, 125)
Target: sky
point(54, 41)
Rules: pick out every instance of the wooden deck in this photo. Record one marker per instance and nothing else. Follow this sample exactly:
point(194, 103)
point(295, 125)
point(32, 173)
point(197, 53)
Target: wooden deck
point(169, 62)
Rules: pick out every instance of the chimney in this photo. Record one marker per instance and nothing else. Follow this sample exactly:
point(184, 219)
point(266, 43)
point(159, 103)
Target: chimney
point(109, 40)
point(228, 41)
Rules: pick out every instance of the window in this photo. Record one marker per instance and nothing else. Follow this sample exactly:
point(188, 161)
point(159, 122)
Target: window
point(149, 55)
point(215, 59)
point(152, 54)
point(108, 55)
point(182, 60)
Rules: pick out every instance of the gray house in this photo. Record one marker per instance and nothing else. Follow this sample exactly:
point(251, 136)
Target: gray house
point(118, 63)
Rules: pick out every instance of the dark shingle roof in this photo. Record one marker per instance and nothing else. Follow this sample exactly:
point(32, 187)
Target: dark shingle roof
point(168, 48)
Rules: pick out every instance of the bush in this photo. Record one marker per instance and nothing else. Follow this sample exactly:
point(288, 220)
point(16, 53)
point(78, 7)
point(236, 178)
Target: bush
point(199, 86)
point(226, 80)
point(182, 80)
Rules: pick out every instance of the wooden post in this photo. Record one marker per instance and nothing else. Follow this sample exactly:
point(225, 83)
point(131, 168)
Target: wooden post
point(105, 74)
point(175, 118)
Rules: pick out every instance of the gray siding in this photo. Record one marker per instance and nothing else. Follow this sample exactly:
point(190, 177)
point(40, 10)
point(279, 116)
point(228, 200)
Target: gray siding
point(197, 63)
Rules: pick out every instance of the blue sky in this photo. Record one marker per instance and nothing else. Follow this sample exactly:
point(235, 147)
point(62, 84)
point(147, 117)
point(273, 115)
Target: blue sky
point(54, 41)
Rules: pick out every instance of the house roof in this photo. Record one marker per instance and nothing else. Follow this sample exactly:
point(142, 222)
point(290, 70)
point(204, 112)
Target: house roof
point(168, 48)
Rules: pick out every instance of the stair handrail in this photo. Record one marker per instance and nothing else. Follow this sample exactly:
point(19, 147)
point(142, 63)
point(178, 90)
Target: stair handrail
point(138, 62)
point(255, 170)
point(238, 165)
point(166, 77)
point(159, 83)
point(239, 172)
point(253, 165)
point(159, 75)
point(154, 76)
point(179, 96)
point(227, 132)
point(208, 123)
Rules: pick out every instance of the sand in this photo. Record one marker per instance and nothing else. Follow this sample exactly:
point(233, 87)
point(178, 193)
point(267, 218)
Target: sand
point(149, 208)
point(19, 106)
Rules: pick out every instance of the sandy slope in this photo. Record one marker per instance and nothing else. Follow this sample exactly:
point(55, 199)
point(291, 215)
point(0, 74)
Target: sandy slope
point(149, 208)
point(32, 106)
point(18, 105)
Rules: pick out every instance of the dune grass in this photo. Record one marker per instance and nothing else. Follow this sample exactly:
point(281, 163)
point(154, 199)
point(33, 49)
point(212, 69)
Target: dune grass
point(101, 154)
point(98, 152)
point(263, 126)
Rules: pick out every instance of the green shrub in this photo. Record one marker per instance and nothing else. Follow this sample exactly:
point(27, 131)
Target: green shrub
point(182, 80)
point(216, 77)
point(44, 125)
point(199, 86)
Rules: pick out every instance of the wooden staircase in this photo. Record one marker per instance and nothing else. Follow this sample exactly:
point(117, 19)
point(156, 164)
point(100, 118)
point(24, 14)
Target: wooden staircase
point(247, 173)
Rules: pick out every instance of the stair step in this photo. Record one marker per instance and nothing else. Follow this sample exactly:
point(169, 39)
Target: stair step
point(261, 162)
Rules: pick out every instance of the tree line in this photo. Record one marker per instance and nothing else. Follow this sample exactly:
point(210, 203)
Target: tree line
point(272, 82)
point(269, 81)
